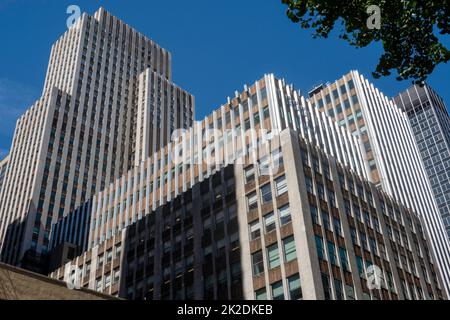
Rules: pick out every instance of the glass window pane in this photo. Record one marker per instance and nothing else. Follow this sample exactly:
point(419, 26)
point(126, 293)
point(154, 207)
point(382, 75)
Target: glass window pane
point(281, 185)
point(289, 249)
point(258, 264)
point(266, 193)
point(255, 230)
point(295, 291)
point(252, 201)
point(277, 291)
point(285, 214)
point(273, 256)
point(261, 294)
point(269, 221)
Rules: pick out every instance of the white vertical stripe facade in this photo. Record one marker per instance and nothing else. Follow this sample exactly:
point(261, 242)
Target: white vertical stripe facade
point(401, 169)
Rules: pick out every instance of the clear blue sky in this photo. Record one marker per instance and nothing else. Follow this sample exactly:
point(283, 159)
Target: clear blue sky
point(217, 47)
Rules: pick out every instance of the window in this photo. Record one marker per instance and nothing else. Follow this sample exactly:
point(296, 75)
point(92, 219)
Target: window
point(87, 269)
point(316, 165)
point(326, 287)
point(309, 185)
point(264, 165)
point(289, 249)
point(357, 212)
point(273, 256)
point(277, 158)
point(320, 192)
point(261, 294)
point(319, 246)
point(390, 282)
point(295, 290)
point(304, 155)
point(350, 292)
point(363, 238)
point(338, 287)
point(280, 185)
point(107, 280)
point(360, 265)
point(109, 256)
point(348, 210)
point(98, 285)
point(116, 275)
point(373, 246)
point(100, 261)
point(354, 236)
point(366, 218)
point(257, 262)
point(326, 169)
point(285, 214)
point(326, 220)
point(269, 222)
point(314, 215)
point(337, 226)
point(117, 251)
point(266, 112)
point(332, 252)
point(376, 223)
point(351, 85)
point(343, 258)
point(266, 193)
point(277, 291)
point(255, 230)
point(249, 174)
point(335, 94)
point(252, 201)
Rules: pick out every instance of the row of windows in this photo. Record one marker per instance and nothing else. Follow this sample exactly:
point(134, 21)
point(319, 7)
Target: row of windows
point(273, 256)
point(284, 216)
point(266, 193)
point(277, 290)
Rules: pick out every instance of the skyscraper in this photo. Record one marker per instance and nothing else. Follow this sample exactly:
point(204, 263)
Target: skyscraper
point(245, 122)
point(311, 229)
point(274, 215)
point(430, 123)
point(108, 103)
point(3, 166)
point(393, 160)
point(266, 197)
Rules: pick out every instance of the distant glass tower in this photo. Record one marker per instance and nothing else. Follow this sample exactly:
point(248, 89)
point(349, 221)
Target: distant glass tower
point(431, 126)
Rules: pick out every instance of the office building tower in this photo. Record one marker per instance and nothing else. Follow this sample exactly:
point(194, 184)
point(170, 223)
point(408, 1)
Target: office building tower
point(249, 120)
point(311, 229)
point(279, 217)
point(430, 123)
point(267, 197)
point(108, 103)
point(393, 161)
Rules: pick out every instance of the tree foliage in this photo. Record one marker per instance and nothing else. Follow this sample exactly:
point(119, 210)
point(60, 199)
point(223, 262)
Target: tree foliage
point(409, 30)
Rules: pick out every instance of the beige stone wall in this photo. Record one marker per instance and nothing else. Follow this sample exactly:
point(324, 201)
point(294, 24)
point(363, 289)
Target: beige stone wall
point(18, 284)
